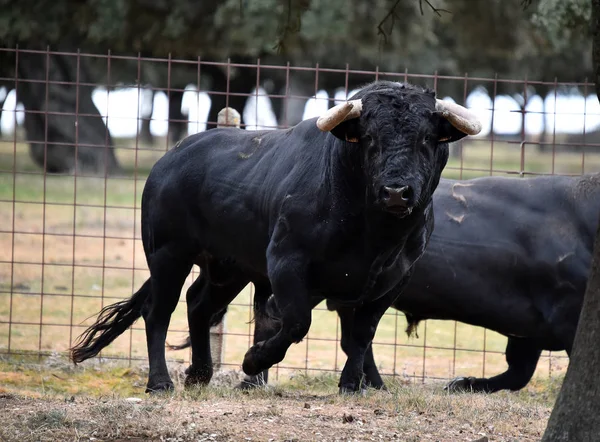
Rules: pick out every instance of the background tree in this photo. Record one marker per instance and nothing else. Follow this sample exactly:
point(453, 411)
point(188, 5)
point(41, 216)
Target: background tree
point(59, 139)
point(480, 38)
point(575, 415)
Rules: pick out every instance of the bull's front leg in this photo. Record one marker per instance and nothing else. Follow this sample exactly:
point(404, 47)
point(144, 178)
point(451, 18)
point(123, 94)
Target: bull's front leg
point(265, 327)
point(372, 378)
point(287, 268)
point(356, 344)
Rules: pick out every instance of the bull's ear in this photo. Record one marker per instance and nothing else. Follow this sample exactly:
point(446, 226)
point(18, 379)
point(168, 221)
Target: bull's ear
point(447, 133)
point(348, 130)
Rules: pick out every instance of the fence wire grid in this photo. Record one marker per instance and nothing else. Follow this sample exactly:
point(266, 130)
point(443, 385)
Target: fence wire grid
point(81, 131)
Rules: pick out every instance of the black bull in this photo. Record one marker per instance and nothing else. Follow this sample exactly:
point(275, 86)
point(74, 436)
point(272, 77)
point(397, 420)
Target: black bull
point(508, 254)
point(338, 207)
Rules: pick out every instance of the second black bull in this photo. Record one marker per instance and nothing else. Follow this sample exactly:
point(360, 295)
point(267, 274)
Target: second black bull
point(508, 254)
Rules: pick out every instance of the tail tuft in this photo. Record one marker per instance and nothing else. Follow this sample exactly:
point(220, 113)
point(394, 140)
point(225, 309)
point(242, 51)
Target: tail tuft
point(112, 321)
point(216, 319)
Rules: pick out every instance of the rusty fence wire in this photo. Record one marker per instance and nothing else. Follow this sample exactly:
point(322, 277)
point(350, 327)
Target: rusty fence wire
point(80, 131)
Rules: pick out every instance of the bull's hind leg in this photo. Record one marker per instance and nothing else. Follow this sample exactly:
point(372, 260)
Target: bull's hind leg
point(169, 266)
point(522, 356)
point(204, 301)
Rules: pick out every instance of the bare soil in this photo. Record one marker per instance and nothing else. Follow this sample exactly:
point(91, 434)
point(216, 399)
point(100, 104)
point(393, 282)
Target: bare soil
point(106, 402)
point(411, 413)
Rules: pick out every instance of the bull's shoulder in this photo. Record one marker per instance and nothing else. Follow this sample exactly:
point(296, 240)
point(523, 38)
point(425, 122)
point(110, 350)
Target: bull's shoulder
point(245, 156)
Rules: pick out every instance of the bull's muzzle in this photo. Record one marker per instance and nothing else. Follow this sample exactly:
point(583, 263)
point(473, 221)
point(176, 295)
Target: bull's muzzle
point(398, 199)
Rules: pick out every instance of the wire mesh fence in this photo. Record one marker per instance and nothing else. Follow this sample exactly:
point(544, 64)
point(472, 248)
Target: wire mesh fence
point(81, 131)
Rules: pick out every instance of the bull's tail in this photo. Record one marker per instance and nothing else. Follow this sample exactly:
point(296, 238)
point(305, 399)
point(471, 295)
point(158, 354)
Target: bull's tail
point(112, 321)
point(185, 344)
point(216, 319)
point(412, 322)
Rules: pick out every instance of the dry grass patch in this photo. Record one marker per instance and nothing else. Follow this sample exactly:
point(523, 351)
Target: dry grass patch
point(298, 409)
point(413, 412)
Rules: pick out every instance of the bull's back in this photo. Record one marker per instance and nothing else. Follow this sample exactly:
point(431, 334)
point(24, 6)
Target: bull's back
point(494, 242)
point(223, 187)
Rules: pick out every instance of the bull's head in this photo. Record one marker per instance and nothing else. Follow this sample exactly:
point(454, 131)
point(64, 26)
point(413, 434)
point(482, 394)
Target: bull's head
point(404, 133)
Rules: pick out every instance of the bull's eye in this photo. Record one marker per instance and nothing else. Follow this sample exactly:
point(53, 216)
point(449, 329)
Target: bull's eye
point(426, 140)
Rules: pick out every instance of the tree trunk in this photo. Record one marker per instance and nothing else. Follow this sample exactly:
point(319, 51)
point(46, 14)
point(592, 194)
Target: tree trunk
point(146, 112)
point(177, 126)
point(81, 142)
point(1, 105)
point(576, 415)
point(278, 88)
point(7, 87)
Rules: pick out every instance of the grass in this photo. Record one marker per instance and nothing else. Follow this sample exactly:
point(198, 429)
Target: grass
point(79, 250)
point(56, 376)
point(299, 408)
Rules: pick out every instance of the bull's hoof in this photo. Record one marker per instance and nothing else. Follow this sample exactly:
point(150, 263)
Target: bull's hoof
point(195, 381)
point(197, 376)
point(248, 385)
point(251, 364)
point(160, 387)
point(377, 386)
point(460, 385)
point(350, 389)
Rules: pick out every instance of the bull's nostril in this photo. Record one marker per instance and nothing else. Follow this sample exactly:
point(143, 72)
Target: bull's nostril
point(385, 194)
point(398, 196)
point(406, 193)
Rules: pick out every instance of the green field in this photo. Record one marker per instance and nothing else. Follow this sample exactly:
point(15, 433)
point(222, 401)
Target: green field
point(87, 237)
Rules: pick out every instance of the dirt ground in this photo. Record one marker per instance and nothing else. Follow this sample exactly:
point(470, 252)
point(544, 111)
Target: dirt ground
point(107, 402)
point(407, 415)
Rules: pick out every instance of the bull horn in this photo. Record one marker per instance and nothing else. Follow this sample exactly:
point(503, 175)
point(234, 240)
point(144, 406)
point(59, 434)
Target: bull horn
point(460, 117)
point(337, 114)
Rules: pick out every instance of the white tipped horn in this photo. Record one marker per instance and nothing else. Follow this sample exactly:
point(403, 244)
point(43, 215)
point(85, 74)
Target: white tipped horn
point(337, 114)
point(460, 117)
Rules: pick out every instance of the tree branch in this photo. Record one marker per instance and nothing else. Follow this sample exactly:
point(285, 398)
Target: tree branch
point(438, 11)
point(391, 15)
point(526, 4)
point(296, 8)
